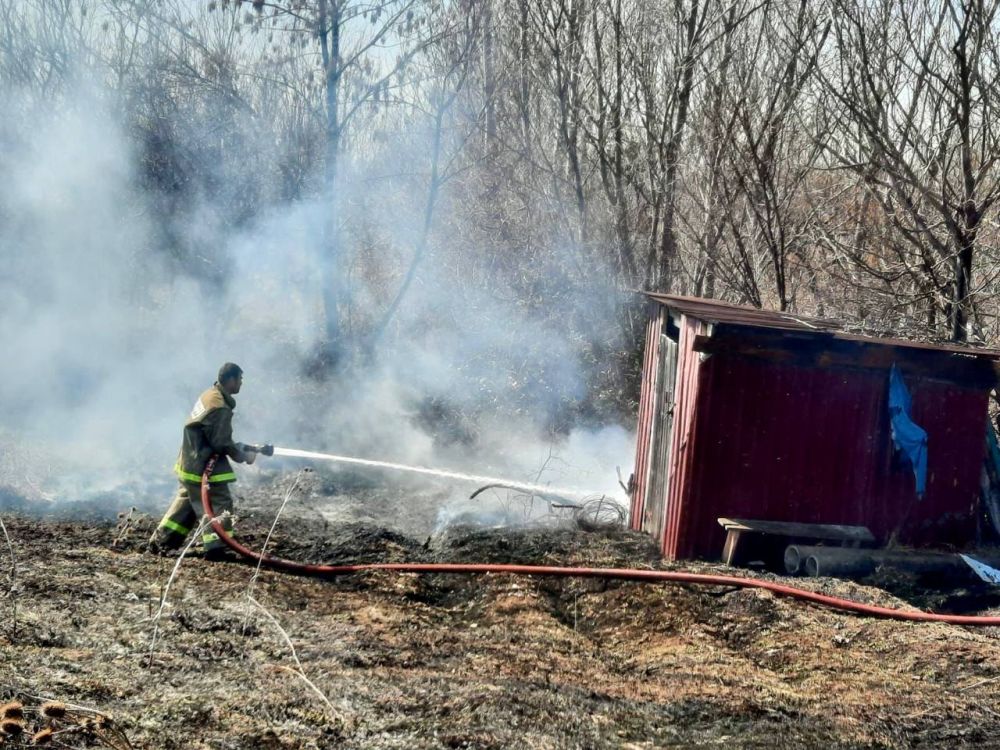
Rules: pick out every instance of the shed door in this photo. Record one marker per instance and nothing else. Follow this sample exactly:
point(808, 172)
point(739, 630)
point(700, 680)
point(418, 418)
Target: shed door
point(659, 469)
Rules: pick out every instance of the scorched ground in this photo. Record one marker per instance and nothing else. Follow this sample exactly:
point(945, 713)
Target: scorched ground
point(456, 662)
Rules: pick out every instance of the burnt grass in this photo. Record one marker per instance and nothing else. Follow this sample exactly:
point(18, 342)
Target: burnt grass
point(455, 661)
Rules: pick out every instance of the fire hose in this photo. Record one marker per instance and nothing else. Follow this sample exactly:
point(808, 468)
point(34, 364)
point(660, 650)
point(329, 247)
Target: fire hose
point(554, 571)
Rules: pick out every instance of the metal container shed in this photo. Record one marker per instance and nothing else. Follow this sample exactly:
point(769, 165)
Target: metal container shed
point(746, 413)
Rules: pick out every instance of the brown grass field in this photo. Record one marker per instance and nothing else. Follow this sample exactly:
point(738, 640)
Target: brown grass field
point(402, 661)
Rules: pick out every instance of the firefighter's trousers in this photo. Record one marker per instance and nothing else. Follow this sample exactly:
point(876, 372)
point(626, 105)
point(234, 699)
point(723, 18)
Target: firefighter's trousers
point(185, 512)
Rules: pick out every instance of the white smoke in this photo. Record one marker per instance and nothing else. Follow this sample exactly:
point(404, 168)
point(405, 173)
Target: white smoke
point(109, 338)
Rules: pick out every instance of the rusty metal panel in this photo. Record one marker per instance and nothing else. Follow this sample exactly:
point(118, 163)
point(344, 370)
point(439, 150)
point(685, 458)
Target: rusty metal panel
point(715, 311)
point(688, 369)
point(647, 409)
point(656, 492)
point(811, 444)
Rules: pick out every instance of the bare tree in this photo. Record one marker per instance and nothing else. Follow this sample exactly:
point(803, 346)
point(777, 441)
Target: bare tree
point(611, 46)
point(357, 69)
point(703, 212)
point(561, 27)
point(911, 88)
point(450, 65)
point(771, 160)
point(666, 81)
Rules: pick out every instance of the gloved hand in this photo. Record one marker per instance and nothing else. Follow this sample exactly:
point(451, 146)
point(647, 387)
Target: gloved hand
point(250, 451)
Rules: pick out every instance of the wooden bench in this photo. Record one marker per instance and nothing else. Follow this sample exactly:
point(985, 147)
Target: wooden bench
point(737, 529)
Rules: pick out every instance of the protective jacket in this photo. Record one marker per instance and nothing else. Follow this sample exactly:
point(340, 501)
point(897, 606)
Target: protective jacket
point(208, 431)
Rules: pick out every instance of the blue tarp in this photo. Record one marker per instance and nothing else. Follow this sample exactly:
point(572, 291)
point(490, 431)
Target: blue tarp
point(909, 439)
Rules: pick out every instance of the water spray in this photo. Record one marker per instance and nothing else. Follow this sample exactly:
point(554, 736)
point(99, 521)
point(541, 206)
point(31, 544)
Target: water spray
point(535, 489)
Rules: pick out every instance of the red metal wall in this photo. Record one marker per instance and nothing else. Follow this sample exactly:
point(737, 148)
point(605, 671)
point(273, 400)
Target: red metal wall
point(760, 440)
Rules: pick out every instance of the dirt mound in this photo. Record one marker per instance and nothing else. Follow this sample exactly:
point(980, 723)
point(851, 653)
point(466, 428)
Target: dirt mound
point(313, 539)
point(296, 537)
point(544, 547)
point(332, 544)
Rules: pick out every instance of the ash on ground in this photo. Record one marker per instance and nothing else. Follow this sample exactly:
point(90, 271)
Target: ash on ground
point(451, 661)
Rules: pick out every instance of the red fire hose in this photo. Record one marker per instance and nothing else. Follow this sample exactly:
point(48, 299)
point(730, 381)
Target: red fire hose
point(624, 574)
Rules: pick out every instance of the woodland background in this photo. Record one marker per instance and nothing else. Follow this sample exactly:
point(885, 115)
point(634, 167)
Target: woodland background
point(833, 158)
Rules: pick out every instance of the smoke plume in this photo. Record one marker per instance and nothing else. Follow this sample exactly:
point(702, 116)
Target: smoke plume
point(114, 320)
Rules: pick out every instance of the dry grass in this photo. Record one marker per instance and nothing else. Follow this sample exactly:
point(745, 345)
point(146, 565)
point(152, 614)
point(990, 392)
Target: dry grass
point(495, 662)
point(59, 725)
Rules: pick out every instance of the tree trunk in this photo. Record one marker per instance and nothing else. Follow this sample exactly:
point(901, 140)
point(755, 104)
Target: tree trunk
point(968, 215)
point(489, 79)
point(663, 271)
point(433, 190)
point(963, 273)
point(524, 78)
point(334, 287)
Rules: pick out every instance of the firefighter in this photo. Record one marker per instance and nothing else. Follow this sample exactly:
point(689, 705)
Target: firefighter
point(207, 432)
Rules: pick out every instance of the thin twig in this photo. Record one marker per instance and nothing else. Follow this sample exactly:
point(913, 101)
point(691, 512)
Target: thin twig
point(298, 671)
point(12, 577)
point(192, 539)
point(263, 549)
point(979, 683)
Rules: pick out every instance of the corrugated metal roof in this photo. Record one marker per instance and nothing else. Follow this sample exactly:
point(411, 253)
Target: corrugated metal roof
point(714, 311)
